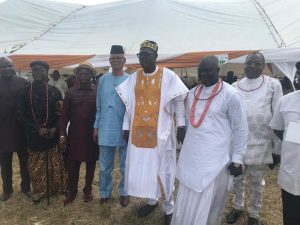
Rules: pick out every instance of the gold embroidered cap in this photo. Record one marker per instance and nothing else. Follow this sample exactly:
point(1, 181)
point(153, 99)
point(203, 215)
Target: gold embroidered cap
point(149, 44)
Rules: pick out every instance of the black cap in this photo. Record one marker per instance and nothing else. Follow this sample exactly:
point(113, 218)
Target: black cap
point(40, 63)
point(116, 49)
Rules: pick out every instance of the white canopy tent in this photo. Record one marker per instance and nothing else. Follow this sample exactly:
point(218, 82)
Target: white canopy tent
point(180, 27)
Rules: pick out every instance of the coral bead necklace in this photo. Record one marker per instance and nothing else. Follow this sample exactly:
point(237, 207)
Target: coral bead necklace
point(198, 90)
point(263, 80)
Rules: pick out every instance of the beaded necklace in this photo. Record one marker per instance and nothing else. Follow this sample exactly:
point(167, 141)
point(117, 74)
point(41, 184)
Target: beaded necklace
point(32, 110)
point(238, 84)
point(209, 100)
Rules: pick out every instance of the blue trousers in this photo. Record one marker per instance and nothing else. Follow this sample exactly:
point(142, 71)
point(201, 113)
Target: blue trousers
point(106, 161)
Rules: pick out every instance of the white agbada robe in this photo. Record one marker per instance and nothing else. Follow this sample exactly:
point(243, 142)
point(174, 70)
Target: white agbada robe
point(145, 165)
point(60, 84)
point(206, 152)
point(260, 105)
point(288, 111)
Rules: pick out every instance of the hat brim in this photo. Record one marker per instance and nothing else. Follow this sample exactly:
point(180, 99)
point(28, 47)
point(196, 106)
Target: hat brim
point(85, 67)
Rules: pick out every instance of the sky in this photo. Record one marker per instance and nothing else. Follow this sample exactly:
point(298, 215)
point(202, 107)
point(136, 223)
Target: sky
point(81, 2)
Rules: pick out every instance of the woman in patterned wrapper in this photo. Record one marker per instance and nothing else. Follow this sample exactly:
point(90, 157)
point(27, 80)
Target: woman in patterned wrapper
point(38, 109)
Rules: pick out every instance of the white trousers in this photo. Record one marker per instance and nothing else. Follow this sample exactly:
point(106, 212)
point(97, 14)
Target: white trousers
point(257, 183)
point(202, 208)
point(167, 205)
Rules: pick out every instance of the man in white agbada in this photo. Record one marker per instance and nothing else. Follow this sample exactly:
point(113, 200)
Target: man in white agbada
point(153, 96)
point(57, 81)
point(286, 125)
point(213, 148)
point(261, 94)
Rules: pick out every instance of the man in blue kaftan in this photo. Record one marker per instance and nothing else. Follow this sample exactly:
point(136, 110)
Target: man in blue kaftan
point(108, 125)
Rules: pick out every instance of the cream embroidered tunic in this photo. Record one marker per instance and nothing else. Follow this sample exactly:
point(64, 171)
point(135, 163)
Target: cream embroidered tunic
point(260, 105)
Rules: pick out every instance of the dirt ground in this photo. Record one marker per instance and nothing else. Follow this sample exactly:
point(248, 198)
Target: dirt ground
point(20, 211)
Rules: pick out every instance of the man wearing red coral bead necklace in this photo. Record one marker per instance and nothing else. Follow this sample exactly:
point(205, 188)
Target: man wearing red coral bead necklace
point(261, 94)
point(213, 148)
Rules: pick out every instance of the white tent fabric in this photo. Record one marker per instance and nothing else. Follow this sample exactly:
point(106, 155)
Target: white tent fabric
point(24, 22)
point(178, 26)
point(103, 60)
point(287, 68)
point(284, 17)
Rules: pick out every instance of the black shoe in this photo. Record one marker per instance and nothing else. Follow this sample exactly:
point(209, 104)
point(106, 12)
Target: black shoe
point(233, 216)
point(87, 197)
point(27, 194)
point(168, 218)
point(104, 200)
point(36, 202)
point(68, 200)
point(124, 200)
point(5, 196)
point(252, 221)
point(146, 210)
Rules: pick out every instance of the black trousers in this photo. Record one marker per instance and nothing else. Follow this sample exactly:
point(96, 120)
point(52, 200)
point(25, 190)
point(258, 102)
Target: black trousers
point(6, 171)
point(73, 176)
point(291, 208)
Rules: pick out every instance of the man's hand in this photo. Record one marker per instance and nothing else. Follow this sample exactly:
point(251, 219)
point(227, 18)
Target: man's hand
point(235, 169)
point(51, 133)
point(62, 144)
point(276, 161)
point(126, 135)
point(95, 135)
point(43, 131)
point(180, 134)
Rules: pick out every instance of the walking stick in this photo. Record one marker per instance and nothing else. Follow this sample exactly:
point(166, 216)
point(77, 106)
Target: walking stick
point(47, 179)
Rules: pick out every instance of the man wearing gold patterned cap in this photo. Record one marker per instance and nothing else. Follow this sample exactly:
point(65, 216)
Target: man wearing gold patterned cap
point(153, 96)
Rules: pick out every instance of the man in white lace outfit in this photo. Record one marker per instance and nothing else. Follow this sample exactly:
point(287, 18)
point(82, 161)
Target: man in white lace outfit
point(261, 94)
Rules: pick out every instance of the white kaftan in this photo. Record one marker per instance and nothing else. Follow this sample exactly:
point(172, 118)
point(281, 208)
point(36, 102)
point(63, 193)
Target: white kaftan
point(288, 111)
point(206, 152)
point(61, 84)
point(149, 168)
point(260, 105)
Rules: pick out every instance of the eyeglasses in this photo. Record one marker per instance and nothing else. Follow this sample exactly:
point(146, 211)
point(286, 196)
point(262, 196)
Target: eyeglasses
point(6, 67)
point(206, 70)
point(116, 58)
point(255, 63)
point(144, 55)
point(39, 70)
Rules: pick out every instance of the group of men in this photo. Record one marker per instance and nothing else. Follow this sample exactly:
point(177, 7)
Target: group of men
point(53, 135)
point(226, 131)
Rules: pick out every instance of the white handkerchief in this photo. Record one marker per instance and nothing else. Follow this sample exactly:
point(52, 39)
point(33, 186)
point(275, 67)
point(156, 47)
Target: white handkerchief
point(293, 132)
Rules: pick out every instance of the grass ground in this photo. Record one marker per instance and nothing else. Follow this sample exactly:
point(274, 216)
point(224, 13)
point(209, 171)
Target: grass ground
point(20, 211)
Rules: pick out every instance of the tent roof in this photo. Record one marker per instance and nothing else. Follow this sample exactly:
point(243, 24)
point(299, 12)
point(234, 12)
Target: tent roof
point(178, 26)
